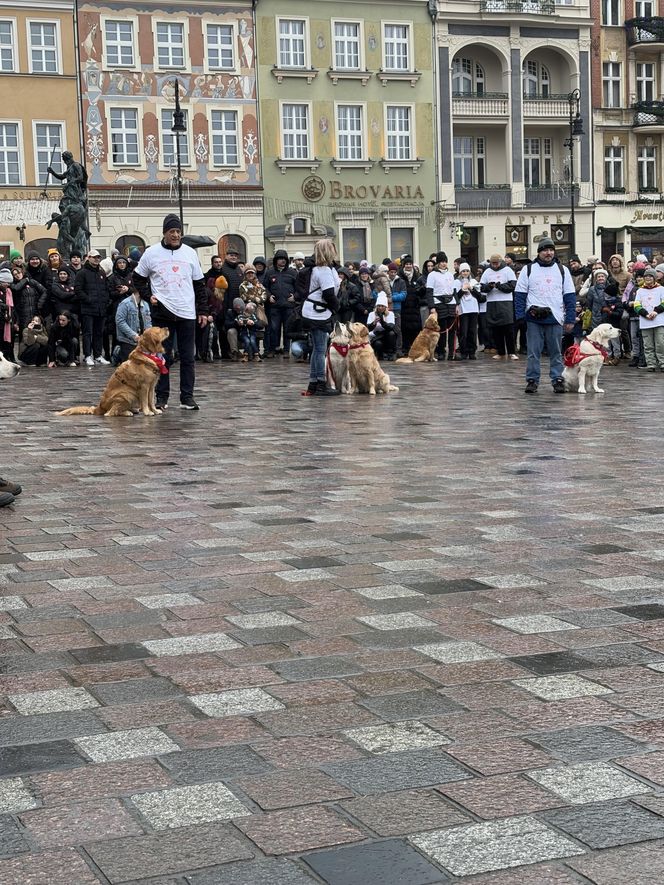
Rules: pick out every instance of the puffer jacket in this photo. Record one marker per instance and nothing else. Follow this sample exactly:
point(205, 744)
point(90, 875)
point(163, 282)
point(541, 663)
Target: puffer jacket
point(30, 300)
point(620, 276)
point(63, 297)
point(234, 277)
point(91, 289)
point(280, 284)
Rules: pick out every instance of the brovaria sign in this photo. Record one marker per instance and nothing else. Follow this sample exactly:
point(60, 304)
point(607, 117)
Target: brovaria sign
point(340, 191)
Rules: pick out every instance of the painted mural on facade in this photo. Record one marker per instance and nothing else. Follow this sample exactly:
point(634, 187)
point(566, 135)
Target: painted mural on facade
point(151, 90)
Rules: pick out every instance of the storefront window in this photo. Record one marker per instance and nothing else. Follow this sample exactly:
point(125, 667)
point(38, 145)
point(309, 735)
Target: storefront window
point(401, 241)
point(353, 244)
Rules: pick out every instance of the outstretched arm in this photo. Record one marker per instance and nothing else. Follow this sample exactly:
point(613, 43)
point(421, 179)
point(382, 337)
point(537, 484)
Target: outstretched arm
point(60, 177)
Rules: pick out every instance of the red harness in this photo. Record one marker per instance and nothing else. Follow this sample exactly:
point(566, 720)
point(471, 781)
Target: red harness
point(357, 346)
point(341, 349)
point(158, 360)
point(573, 355)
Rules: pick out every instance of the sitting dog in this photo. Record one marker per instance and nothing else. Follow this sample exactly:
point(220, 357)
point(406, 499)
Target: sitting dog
point(336, 364)
point(585, 360)
point(132, 386)
point(365, 373)
point(8, 369)
point(423, 348)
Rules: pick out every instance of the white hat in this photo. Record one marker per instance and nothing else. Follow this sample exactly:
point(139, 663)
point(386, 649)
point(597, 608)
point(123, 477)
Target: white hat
point(299, 255)
point(382, 268)
point(643, 258)
point(464, 266)
point(381, 299)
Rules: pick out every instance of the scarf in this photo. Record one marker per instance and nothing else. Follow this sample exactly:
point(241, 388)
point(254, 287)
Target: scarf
point(7, 331)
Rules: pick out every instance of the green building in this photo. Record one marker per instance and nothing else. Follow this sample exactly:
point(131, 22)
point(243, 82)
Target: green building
point(346, 94)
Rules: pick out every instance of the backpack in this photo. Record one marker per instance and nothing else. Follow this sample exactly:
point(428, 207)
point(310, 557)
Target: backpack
point(302, 282)
point(560, 268)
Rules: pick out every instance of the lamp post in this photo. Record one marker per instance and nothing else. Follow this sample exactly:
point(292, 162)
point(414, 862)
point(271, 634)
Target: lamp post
point(575, 129)
point(177, 128)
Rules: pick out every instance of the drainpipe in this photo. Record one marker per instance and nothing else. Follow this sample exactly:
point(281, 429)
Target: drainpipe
point(254, 7)
point(432, 9)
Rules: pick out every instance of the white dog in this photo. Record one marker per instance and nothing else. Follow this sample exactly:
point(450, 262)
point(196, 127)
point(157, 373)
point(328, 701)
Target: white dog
point(585, 360)
point(336, 364)
point(7, 369)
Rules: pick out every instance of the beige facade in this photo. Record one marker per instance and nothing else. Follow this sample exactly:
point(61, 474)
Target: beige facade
point(39, 116)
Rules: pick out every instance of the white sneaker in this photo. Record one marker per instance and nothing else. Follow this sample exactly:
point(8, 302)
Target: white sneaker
point(480, 348)
point(102, 361)
point(513, 356)
point(89, 361)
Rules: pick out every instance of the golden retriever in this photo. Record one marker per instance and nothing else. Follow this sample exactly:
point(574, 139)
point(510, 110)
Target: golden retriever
point(424, 346)
point(132, 386)
point(336, 364)
point(587, 362)
point(8, 369)
point(365, 373)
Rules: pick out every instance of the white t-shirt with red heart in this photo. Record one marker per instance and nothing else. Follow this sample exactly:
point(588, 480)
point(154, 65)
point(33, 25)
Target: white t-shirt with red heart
point(171, 274)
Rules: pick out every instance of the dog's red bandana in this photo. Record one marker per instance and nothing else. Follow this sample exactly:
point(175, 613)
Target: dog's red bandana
point(159, 360)
point(573, 355)
point(341, 349)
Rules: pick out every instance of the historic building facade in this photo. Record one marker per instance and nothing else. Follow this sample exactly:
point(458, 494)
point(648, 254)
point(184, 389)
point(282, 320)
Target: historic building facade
point(628, 86)
point(347, 132)
point(505, 71)
point(132, 54)
point(38, 116)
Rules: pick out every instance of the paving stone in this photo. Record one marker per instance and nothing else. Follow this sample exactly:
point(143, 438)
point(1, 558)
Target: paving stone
point(499, 755)
point(648, 765)
point(286, 788)
point(510, 582)
point(601, 617)
point(185, 850)
point(15, 796)
point(556, 688)
point(627, 582)
point(619, 655)
point(128, 651)
point(478, 848)
point(187, 645)
point(79, 822)
point(298, 829)
point(11, 603)
point(399, 621)
point(302, 575)
point(168, 600)
point(406, 638)
point(46, 756)
point(396, 738)
point(552, 663)
point(12, 838)
point(109, 780)
point(387, 591)
point(55, 701)
point(270, 636)
point(397, 771)
point(534, 624)
point(501, 796)
point(411, 705)
point(457, 585)
point(605, 825)
point(223, 763)
point(396, 814)
point(579, 744)
point(49, 867)
point(638, 865)
point(458, 652)
point(126, 744)
point(263, 619)
point(16, 730)
point(588, 782)
point(188, 806)
point(391, 862)
point(275, 871)
point(317, 668)
point(133, 691)
point(240, 702)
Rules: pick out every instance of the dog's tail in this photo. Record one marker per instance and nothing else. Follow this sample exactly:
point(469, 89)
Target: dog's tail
point(404, 359)
point(81, 410)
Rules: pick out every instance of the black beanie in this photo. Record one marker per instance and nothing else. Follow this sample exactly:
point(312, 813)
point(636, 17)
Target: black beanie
point(172, 222)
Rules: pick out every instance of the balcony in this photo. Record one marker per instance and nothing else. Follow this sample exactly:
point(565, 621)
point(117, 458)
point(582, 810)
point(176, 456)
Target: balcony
point(548, 196)
point(487, 104)
point(481, 198)
point(648, 116)
point(540, 106)
point(519, 7)
point(645, 33)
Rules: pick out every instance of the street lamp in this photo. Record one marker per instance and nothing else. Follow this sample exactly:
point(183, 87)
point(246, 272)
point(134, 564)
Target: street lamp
point(575, 129)
point(178, 128)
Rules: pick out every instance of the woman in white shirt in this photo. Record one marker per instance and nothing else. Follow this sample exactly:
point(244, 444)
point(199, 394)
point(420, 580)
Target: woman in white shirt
point(317, 312)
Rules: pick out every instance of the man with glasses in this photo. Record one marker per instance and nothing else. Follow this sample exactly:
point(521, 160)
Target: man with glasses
point(545, 297)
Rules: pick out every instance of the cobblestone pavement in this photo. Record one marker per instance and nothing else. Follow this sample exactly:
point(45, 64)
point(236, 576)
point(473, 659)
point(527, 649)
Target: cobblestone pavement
point(405, 640)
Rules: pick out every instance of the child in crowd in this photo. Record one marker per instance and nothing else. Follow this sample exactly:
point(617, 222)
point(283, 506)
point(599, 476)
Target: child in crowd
point(249, 326)
point(468, 296)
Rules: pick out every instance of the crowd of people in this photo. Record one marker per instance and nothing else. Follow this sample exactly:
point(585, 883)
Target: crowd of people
point(91, 311)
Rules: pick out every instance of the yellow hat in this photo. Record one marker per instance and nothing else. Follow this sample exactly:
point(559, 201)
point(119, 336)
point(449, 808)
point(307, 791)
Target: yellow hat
point(52, 252)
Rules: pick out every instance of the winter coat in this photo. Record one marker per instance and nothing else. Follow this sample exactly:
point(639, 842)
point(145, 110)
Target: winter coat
point(63, 297)
point(30, 300)
point(348, 296)
point(62, 335)
point(127, 325)
point(398, 288)
point(280, 284)
point(91, 289)
point(411, 316)
point(365, 301)
point(234, 277)
point(381, 284)
point(32, 336)
point(620, 276)
point(41, 273)
point(116, 281)
point(595, 301)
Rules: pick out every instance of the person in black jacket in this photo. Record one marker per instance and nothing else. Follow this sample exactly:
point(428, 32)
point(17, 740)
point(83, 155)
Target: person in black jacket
point(30, 298)
point(280, 285)
point(63, 296)
point(120, 285)
point(36, 269)
point(91, 289)
point(411, 307)
point(63, 340)
point(348, 296)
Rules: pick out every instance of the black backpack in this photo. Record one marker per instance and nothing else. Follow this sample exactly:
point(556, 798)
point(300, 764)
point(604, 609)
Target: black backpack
point(302, 283)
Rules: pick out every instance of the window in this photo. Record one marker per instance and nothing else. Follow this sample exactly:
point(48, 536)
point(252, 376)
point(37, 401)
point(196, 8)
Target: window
point(349, 132)
point(613, 168)
point(399, 145)
point(645, 81)
point(47, 137)
point(611, 12)
point(295, 131)
point(469, 161)
point(300, 226)
point(220, 47)
point(124, 136)
point(536, 80)
point(396, 40)
point(292, 43)
point(168, 139)
point(347, 46)
point(6, 46)
point(170, 44)
point(537, 162)
point(43, 47)
point(647, 168)
point(611, 84)
point(223, 125)
point(10, 167)
point(353, 243)
point(402, 241)
point(644, 9)
point(119, 37)
point(467, 77)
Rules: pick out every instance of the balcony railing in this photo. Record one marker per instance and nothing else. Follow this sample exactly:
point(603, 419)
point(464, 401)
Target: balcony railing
point(473, 104)
point(547, 196)
point(648, 113)
point(488, 196)
point(646, 31)
point(554, 105)
point(536, 7)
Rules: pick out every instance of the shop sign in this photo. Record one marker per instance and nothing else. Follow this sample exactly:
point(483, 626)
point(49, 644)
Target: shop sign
point(536, 219)
point(647, 215)
point(314, 188)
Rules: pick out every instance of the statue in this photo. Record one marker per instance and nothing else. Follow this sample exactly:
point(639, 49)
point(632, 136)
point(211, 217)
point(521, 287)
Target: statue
point(73, 231)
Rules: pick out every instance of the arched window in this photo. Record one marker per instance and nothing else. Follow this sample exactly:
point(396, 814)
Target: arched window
point(536, 80)
point(467, 77)
point(236, 242)
point(40, 246)
point(126, 243)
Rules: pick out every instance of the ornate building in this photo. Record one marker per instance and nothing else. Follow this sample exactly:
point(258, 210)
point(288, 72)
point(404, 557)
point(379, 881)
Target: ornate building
point(131, 57)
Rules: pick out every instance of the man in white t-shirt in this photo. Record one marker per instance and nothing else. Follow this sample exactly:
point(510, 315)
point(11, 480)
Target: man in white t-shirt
point(440, 298)
point(172, 274)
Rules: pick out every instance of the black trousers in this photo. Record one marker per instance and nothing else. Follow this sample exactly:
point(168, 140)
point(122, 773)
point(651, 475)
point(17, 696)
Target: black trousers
point(185, 330)
point(385, 343)
point(93, 335)
point(447, 321)
point(35, 355)
point(503, 337)
point(468, 334)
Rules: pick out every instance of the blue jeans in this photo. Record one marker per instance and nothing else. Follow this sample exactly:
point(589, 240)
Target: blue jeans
point(249, 343)
point(317, 363)
point(300, 349)
point(539, 335)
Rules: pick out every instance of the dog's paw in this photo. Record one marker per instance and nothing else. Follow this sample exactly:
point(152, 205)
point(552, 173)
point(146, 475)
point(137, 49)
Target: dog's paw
point(580, 390)
point(599, 389)
point(393, 388)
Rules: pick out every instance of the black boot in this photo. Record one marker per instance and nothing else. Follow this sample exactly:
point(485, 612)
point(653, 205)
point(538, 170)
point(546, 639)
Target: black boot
point(311, 389)
point(323, 390)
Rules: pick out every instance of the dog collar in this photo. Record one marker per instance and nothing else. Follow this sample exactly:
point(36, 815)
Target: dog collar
point(159, 360)
point(357, 346)
point(599, 347)
point(341, 349)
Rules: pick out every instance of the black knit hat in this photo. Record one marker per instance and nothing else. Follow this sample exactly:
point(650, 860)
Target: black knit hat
point(545, 243)
point(172, 222)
